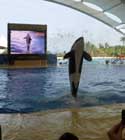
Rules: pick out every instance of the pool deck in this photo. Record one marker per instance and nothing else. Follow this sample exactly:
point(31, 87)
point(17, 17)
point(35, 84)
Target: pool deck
point(90, 123)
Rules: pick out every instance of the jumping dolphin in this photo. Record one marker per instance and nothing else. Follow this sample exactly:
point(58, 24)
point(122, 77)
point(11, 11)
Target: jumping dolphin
point(76, 56)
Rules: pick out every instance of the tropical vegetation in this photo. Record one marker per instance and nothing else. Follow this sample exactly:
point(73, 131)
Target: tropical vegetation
point(104, 50)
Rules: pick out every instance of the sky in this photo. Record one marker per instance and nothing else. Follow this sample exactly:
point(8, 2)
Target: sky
point(64, 25)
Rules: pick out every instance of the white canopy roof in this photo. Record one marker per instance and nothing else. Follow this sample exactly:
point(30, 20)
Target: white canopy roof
point(110, 12)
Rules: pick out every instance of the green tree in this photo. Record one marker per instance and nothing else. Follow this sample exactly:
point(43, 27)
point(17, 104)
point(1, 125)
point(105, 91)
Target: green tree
point(107, 45)
point(122, 39)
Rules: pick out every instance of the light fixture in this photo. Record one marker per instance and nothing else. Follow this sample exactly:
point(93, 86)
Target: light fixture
point(93, 6)
point(113, 17)
point(121, 26)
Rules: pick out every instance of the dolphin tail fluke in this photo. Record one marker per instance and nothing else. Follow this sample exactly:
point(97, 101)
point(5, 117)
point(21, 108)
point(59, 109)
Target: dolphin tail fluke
point(87, 56)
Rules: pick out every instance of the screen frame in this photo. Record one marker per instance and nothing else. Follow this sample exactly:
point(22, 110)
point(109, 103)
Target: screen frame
point(26, 27)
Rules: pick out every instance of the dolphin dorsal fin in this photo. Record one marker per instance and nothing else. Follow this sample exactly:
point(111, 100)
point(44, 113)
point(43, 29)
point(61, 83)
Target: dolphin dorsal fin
point(68, 55)
point(87, 56)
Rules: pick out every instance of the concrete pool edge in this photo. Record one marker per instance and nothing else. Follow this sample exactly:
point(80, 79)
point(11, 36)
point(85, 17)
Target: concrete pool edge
point(87, 123)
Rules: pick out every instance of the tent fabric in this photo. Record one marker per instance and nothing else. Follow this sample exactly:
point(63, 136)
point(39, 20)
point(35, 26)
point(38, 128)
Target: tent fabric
point(114, 7)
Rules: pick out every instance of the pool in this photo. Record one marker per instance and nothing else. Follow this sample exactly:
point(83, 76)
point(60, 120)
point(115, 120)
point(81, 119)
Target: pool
point(31, 90)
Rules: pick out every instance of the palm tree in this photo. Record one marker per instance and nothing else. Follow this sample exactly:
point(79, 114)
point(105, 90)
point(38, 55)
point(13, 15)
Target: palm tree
point(123, 41)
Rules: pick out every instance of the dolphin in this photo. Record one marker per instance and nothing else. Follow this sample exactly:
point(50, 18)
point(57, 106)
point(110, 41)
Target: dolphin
point(76, 56)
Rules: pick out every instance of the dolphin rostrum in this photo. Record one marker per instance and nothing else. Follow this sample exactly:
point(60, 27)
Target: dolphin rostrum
point(76, 56)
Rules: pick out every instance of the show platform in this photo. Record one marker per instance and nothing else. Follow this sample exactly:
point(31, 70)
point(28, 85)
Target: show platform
point(50, 60)
point(26, 64)
point(90, 123)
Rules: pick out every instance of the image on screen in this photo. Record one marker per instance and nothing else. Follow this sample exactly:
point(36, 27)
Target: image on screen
point(27, 42)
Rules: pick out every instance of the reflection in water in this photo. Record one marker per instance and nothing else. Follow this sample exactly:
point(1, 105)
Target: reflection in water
point(26, 89)
point(75, 120)
point(30, 90)
point(3, 87)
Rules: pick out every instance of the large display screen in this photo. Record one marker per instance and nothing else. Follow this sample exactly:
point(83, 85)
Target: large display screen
point(26, 39)
point(27, 42)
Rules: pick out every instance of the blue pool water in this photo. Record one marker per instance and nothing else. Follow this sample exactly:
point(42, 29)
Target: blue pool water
point(29, 90)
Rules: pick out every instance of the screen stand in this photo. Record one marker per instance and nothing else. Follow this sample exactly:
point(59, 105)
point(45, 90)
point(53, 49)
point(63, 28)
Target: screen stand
point(30, 63)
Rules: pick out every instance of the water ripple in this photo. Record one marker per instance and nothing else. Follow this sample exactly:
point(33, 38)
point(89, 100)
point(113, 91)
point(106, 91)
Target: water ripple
point(28, 90)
